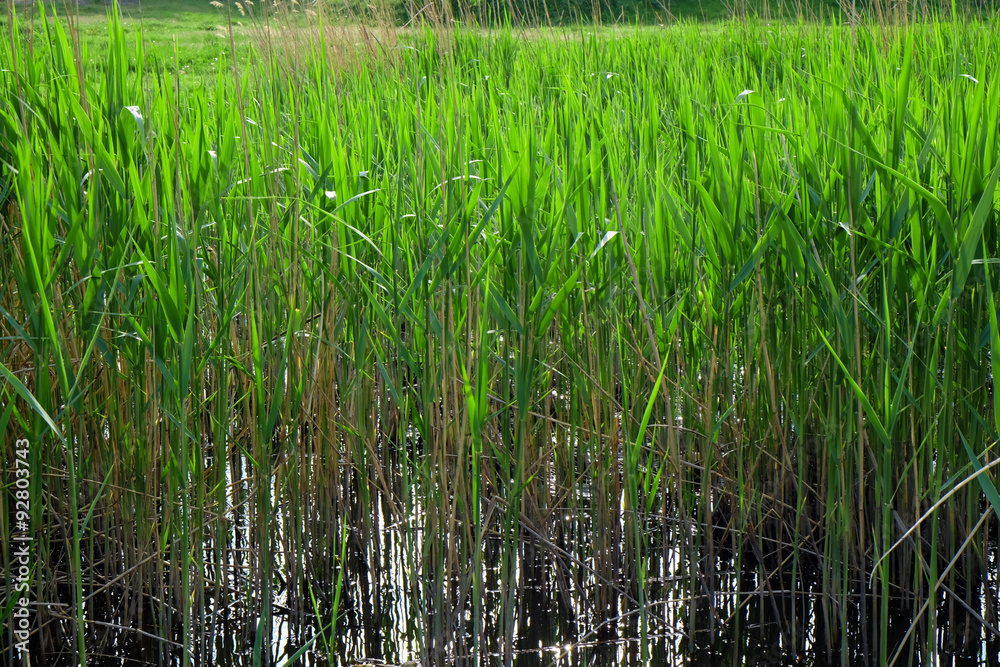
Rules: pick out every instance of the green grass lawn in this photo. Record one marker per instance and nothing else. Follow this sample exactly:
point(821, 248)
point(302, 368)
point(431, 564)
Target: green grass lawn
point(195, 34)
point(200, 31)
point(190, 36)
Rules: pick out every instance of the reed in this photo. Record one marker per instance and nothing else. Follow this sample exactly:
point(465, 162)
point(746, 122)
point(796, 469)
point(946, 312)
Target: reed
point(585, 298)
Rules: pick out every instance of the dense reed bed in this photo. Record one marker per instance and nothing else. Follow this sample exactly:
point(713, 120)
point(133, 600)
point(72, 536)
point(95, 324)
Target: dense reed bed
point(616, 310)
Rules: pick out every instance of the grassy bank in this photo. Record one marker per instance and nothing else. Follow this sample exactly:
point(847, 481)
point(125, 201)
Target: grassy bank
point(726, 290)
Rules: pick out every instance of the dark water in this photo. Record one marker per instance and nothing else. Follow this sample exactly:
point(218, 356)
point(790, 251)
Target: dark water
point(707, 604)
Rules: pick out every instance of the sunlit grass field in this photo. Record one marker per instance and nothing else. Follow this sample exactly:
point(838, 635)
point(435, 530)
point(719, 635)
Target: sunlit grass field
point(200, 30)
point(739, 280)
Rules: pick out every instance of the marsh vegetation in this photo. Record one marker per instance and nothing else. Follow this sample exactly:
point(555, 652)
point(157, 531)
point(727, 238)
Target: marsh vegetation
point(375, 344)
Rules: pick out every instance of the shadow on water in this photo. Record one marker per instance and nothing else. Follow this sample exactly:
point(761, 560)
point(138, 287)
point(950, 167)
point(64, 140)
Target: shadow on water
point(563, 607)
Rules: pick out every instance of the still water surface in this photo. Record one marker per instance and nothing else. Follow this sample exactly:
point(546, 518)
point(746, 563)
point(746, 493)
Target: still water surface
point(700, 610)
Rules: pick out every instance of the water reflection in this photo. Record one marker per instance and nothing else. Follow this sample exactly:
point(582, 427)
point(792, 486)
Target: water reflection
point(562, 597)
